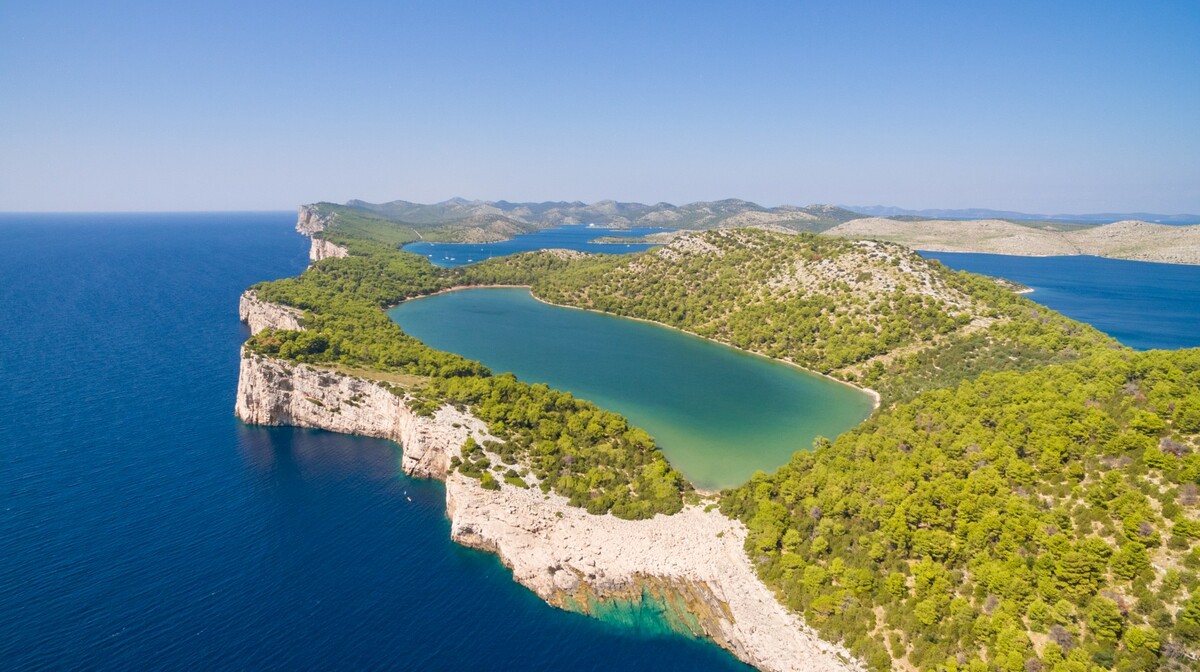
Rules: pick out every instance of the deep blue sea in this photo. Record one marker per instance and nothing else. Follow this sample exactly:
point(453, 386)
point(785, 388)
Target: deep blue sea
point(143, 527)
point(567, 237)
point(1143, 305)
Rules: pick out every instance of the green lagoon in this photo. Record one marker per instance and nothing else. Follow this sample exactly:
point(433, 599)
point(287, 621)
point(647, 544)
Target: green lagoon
point(717, 413)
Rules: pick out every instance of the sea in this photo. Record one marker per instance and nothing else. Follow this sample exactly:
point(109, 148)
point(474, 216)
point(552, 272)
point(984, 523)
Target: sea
point(1143, 305)
point(142, 526)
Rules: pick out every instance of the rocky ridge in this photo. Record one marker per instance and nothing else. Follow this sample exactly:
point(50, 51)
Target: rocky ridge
point(693, 561)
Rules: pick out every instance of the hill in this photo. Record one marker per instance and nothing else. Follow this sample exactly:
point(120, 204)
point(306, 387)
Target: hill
point(460, 220)
point(1136, 240)
point(866, 312)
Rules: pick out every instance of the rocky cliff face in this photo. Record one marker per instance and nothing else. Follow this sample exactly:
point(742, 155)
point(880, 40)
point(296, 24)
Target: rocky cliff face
point(323, 249)
point(259, 315)
point(273, 392)
point(311, 222)
point(692, 562)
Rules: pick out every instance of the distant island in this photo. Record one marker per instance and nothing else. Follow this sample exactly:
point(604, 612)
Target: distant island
point(1091, 218)
point(1025, 497)
point(460, 220)
point(1141, 241)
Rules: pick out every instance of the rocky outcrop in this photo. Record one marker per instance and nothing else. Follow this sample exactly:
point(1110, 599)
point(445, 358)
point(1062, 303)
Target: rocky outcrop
point(311, 222)
point(273, 392)
point(259, 314)
point(323, 249)
point(693, 562)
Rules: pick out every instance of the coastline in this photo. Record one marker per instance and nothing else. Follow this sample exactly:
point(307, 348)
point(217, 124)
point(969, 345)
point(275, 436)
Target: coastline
point(693, 561)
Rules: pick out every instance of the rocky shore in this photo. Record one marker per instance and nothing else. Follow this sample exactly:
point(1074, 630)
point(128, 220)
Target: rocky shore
point(692, 562)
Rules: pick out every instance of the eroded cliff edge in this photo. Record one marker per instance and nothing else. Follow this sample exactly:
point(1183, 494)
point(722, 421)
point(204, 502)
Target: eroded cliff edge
point(693, 562)
point(310, 222)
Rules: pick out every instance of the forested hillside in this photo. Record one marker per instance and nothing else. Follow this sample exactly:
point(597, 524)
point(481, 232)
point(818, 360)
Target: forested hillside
point(548, 438)
point(866, 312)
point(1026, 499)
point(1020, 521)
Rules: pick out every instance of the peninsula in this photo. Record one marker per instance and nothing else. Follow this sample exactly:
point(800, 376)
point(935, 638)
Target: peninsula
point(1024, 495)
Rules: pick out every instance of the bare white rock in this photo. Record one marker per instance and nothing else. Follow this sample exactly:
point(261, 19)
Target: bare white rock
point(259, 314)
point(323, 249)
point(310, 223)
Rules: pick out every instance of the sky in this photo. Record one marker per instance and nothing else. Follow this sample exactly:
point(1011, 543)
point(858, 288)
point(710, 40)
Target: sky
point(1047, 107)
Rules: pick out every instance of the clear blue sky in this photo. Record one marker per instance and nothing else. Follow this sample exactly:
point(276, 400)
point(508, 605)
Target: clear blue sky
point(1045, 106)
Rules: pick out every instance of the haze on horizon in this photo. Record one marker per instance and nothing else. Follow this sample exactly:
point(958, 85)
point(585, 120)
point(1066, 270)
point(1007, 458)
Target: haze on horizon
point(1070, 107)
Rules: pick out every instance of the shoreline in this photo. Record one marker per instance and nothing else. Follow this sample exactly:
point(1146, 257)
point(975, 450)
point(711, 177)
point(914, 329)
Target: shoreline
point(874, 395)
point(694, 560)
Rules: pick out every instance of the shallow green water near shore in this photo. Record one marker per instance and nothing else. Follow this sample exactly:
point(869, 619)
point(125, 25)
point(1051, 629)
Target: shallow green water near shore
point(717, 413)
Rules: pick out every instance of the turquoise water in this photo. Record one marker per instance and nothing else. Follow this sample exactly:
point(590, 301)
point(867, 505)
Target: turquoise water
point(142, 527)
point(565, 237)
point(717, 413)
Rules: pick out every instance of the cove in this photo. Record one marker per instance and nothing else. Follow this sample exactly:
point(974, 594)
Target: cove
point(717, 413)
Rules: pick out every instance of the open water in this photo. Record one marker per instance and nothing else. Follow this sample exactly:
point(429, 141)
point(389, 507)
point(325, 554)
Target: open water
point(143, 527)
point(1143, 305)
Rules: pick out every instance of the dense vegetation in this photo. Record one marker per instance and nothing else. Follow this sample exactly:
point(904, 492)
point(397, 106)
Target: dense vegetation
point(1026, 500)
point(588, 455)
point(1042, 520)
point(871, 313)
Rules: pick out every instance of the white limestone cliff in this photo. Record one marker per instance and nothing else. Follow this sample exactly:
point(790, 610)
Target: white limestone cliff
point(310, 222)
point(259, 314)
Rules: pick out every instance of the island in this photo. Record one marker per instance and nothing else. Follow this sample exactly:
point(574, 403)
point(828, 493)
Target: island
point(1024, 496)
